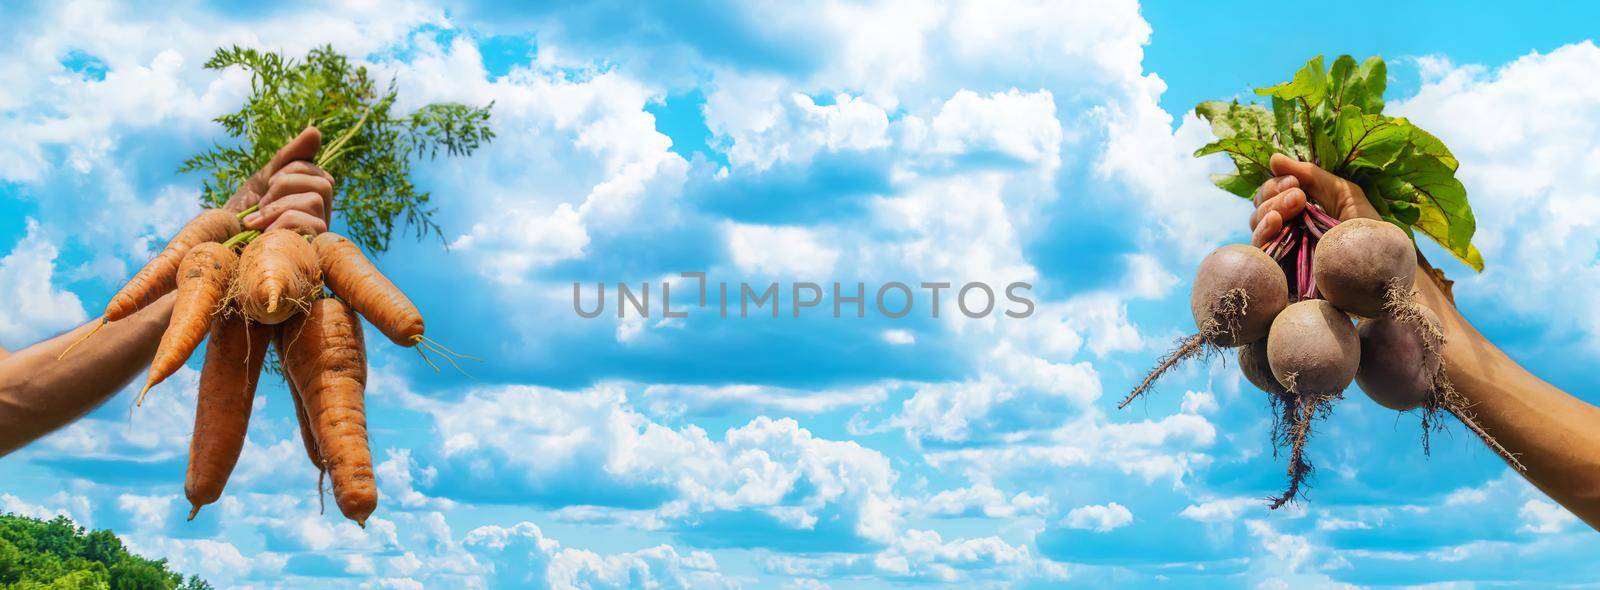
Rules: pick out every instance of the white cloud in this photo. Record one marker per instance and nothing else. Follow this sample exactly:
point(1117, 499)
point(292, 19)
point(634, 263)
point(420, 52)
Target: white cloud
point(147, 512)
point(523, 241)
point(850, 123)
point(1015, 396)
point(925, 555)
point(578, 162)
point(980, 500)
point(1171, 449)
point(1199, 402)
point(545, 441)
point(1524, 134)
point(1147, 279)
point(1099, 518)
point(218, 562)
point(898, 337)
point(575, 156)
point(522, 556)
point(78, 508)
point(1545, 517)
point(676, 400)
point(31, 307)
point(67, 133)
point(1030, 395)
point(163, 424)
point(1221, 510)
point(1182, 205)
point(787, 253)
point(765, 122)
point(397, 476)
point(1018, 124)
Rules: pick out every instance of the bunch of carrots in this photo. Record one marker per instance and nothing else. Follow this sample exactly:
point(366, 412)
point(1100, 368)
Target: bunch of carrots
point(248, 289)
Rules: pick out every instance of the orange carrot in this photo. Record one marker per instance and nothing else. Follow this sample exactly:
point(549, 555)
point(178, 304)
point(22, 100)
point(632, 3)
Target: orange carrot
point(222, 414)
point(202, 280)
point(327, 361)
point(306, 437)
point(160, 275)
point(278, 276)
point(353, 277)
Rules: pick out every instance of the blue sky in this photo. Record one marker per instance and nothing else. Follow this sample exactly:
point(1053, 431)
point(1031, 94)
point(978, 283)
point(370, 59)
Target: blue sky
point(842, 141)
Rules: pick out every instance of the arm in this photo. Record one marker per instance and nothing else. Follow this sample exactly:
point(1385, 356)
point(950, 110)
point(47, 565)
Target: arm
point(1555, 435)
point(39, 394)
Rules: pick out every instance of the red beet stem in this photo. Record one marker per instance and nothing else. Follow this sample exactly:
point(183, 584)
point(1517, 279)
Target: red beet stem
point(1311, 226)
point(1320, 215)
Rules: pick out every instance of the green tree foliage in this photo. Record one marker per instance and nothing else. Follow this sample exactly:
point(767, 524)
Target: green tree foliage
point(367, 147)
point(59, 555)
point(1334, 118)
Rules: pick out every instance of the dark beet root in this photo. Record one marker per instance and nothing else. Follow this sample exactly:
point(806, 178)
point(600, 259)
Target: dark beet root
point(1362, 264)
point(1293, 415)
point(1402, 368)
point(1237, 293)
point(1314, 352)
point(1313, 348)
point(1253, 363)
point(1400, 359)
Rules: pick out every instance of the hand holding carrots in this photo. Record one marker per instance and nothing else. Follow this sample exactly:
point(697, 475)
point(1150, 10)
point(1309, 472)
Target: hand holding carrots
point(299, 197)
point(267, 280)
point(290, 192)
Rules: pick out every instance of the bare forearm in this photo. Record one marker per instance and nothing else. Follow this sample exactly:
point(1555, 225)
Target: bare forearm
point(39, 393)
point(1555, 435)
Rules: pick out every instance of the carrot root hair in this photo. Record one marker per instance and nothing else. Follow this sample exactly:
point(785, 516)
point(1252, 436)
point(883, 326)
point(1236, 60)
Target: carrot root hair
point(425, 358)
point(420, 342)
point(75, 343)
point(322, 495)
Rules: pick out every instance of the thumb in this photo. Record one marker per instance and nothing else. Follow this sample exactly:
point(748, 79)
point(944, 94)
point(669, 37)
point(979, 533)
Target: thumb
point(1315, 181)
point(302, 147)
point(1307, 173)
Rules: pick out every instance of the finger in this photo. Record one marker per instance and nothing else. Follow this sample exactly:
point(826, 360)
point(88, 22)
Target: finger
point(295, 184)
point(301, 222)
point(301, 167)
point(1310, 176)
point(1270, 225)
point(308, 203)
point(1284, 184)
point(302, 147)
point(1288, 204)
point(1267, 190)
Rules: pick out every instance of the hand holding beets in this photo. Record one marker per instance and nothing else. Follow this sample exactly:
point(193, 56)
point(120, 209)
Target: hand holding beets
point(1321, 255)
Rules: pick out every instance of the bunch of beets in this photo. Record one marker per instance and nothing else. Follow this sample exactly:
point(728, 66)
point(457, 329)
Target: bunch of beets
point(1287, 308)
point(1288, 305)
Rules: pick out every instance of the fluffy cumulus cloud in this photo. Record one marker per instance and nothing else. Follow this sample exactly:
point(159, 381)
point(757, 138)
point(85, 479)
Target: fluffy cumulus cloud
point(835, 141)
point(591, 447)
point(522, 557)
point(33, 305)
point(1099, 518)
point(1524, 134)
